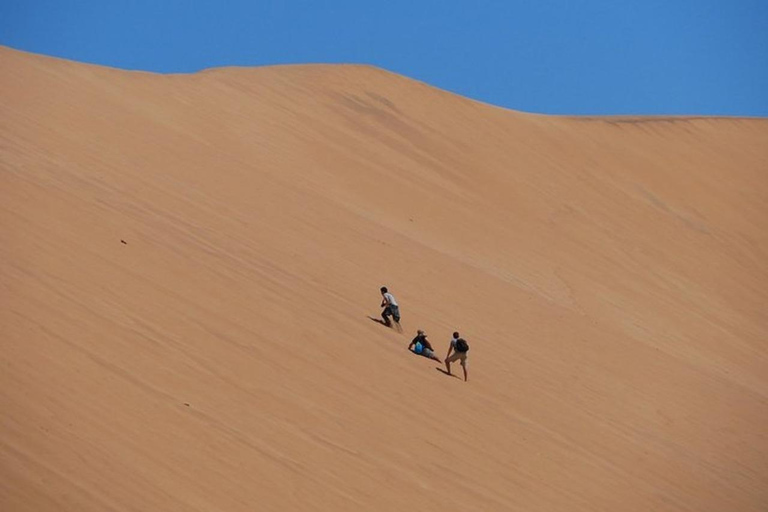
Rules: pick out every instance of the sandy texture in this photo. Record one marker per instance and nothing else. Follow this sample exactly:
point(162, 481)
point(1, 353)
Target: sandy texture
point(187, 264)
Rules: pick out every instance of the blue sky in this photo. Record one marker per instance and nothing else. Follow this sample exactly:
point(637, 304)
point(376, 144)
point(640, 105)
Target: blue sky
point(707, 57)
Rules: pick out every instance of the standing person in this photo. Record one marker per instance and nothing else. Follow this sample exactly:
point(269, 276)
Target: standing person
point(459, 347)
point(389, 303)
point(421, 345)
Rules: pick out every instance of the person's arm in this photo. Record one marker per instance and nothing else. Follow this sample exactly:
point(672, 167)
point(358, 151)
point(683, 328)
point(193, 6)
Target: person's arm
point(450, 349)
point(413, 342)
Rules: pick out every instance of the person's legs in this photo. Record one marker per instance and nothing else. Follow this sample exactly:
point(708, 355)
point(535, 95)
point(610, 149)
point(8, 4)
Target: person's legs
point(385, 315)
point(454, 357)
point(464, 364)
point(449, 360)
point(431, 354)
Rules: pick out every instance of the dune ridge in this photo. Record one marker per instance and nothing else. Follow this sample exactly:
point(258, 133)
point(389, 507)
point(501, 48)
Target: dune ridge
point(188, 263)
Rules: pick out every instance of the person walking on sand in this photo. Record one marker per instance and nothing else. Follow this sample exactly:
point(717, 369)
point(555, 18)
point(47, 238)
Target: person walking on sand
point(420, 345)
point(389, 303)
point(459, 347)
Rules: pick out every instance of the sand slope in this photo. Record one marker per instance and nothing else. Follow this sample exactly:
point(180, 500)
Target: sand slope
point(609, 274)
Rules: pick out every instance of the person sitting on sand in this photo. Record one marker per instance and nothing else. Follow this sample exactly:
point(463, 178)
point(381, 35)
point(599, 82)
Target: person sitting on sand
point(389, 303)
point(420, 345)
point(461, 348)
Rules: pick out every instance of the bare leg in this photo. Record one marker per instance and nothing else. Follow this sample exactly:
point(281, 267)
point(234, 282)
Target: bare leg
point(465, 372)
point(448, 366)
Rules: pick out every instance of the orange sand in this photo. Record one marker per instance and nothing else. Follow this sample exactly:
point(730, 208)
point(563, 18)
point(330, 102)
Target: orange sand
point(609, 273)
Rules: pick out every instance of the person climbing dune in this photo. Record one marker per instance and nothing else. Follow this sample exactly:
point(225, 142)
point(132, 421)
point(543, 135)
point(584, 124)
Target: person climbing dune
point(459, 347)
point(389, 303)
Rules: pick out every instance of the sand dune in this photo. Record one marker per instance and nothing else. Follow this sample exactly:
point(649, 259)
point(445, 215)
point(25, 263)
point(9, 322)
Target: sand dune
point(187, 264)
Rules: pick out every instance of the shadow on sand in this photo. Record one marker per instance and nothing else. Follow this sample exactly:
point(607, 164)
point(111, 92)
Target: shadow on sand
point(395, 326)
point(378, 321)
point(445, 372)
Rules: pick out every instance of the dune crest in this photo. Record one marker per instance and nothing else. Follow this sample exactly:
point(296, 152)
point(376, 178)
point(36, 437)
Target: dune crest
point(188, 263)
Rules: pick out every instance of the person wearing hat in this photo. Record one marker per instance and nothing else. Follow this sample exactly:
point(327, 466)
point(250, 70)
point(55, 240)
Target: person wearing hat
point(420, 345)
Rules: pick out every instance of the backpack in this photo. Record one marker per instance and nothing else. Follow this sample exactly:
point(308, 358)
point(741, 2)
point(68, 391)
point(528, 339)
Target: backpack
point(462, 345)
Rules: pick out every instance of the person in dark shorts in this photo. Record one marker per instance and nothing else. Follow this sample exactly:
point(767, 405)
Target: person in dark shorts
point(389, 303)
point(420, 345)
point(459, 347)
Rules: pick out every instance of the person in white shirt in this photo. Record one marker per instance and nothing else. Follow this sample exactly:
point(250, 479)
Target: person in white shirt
point(459, 347)
point(389, 303)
